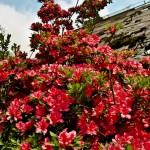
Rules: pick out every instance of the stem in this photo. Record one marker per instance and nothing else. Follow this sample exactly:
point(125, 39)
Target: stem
point(63, 29)
point(70, 16)
point(111, 87)
point(94, 23)
point(75, 7)
point(144, 109)
point(31, 54)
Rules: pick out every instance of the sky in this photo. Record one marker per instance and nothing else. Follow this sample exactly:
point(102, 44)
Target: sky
point(16, 16)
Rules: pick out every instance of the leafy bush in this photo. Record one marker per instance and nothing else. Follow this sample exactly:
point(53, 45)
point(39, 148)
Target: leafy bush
point(75, 94)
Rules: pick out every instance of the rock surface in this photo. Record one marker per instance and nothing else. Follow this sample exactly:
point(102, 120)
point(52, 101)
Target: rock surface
point(135, 33)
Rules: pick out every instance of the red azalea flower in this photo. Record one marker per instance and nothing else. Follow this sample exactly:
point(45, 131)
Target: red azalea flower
point(23, 127)
point(95, 146)
point(66, 138)
point(0, 112)
point(112, 29)
point(82, 124)
point(13, 111)
point(55, 117)
point(1, 128)
point(121, 140)
point(146, 122)
point(42, 126)
point(27, 108)
point(3, 75)
point(45, 145)
point(48, 100)
point(20, 125)
point(25, 146)
point(37, 94)
point(91, 128)
point(58, 100)
point(98, 109)
point(89, 91)
point(31, 73)
point(40, 111)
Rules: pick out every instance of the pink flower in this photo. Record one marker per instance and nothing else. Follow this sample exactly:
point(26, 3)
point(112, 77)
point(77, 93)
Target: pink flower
point(0, 112)
point(31, 73)
point(91, 40)
point(112, 29)
point(55, 117)
point(95, 146)
point(91, 128)
point(82, 124)
point(14, 110)
point(120, 140)
point(1, 128)
point(58, 100)
point(20, 125)
point(98, 109)
point(37, 94)
point(46, 145)
point(25, 146)
point(66, 138)
point(146, 122)
point(40, 111)
point(89, 91)
point(27, 108)
point(42, 126)
point(23, 127)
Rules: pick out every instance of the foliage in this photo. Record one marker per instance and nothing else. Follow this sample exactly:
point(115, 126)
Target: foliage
point(74, 94)
point(4, 45)
point(89, 24)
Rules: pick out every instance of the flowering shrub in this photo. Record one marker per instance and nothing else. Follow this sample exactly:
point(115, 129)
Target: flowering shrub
point(75, 94)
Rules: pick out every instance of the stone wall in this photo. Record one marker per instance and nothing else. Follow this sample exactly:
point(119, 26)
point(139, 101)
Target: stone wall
point(135, 33)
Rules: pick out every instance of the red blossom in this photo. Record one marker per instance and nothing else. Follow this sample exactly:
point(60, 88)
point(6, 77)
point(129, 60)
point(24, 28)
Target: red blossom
point(3, 76)
point(23, 127)
point(89, 91)
point(40, 111)
point(46, 145)
point(37, 94)
point(14, 110)
point(36, 91)
point(30, 73)
point(0, 112)
point(65, 138)
point(1, 128)
point(55, 117)
point(92, 128)
point(58, 100)
point(95, 146)
point(25, 146)
point(121, 140)
point(41, 126)
point(112, 29)
point(98, 109)
point(26, 108)
point(82, 124)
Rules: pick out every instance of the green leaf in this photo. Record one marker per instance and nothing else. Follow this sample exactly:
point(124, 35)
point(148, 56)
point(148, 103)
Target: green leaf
point(1, 142)
point(72, 56)
point(89, 61)
point(53, 134)
point(78, 138)
point(106, 145)
point(107, 26)
point(129, 147)
point(69, 86)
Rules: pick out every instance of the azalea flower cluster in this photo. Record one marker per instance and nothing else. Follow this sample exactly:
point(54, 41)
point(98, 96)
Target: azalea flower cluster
point(75, 94)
